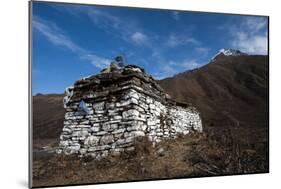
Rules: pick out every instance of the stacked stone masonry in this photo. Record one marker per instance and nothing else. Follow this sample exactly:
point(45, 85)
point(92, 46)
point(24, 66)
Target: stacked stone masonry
point(122, 105)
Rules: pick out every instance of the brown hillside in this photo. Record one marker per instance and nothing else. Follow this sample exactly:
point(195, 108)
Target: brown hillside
point(232, 90)
point(48, 115)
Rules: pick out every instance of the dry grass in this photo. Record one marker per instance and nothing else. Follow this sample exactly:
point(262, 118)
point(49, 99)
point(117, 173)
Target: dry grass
point(216, 153)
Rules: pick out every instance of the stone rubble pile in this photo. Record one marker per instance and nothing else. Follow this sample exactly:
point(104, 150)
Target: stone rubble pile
point(105, 113)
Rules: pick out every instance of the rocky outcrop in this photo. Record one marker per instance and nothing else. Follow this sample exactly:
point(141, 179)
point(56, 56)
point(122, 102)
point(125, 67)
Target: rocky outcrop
point(105, 113)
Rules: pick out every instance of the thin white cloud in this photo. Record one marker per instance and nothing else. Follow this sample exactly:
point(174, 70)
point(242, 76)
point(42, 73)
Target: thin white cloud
point(170, 68)
point(97, 61)
point(176, 40)
point(129, 30)
point(105, 19)
point(120, 27)
point(252, 44)
point(186, 64)
point(202, 50)
point(250, 35)
point(254, 24)
point(57, 37)
point(139, 38)
point(54, 34)
point(191, 64)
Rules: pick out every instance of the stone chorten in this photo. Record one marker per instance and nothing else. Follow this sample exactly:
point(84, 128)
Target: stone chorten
point(105, 113)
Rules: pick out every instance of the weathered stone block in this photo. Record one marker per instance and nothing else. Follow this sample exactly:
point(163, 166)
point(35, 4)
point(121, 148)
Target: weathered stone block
point(72, 149)
point(106, 127)
point(130, 114)
point(104, 153)
point(99, 148)
point(159, 134)
point(117, 131)
point(85, 122)
point(110, 106)
point(151, 122)
point(92, 140)
point(98, 106)
point(80, 133)
point(101, 133)
point(130, 139)
point(149, 100)
point(107, 139)
point(152, 106)
point(117, 117)
point(113, 126)
point(133, 128)
point(138, 133)
point(112, 112)
point(67, 130)
point(83, 126)
point(83, 151)
point(117, 135)
point(143, 127)
point(99, 112)
point(121, 141)
point(134, 101)
point(64, 143)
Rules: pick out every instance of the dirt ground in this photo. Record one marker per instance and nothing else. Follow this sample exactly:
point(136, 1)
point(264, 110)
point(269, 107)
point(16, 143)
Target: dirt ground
point(219, 152)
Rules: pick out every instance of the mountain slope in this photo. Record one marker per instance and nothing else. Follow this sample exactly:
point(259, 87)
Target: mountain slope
point(231, 90)
point(48, 116)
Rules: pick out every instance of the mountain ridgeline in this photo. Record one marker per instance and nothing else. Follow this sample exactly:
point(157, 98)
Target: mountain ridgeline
point(232, 91)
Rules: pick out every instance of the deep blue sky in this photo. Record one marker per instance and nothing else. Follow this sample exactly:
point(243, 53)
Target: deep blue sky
point(72, 41)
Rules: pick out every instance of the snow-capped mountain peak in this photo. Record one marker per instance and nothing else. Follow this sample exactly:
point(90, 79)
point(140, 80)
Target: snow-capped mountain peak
point(229, 52)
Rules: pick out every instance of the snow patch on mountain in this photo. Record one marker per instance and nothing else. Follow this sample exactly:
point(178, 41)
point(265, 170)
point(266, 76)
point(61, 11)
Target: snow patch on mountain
point(228, 52)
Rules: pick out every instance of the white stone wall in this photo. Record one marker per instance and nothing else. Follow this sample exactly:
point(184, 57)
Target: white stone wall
point(111, 126)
